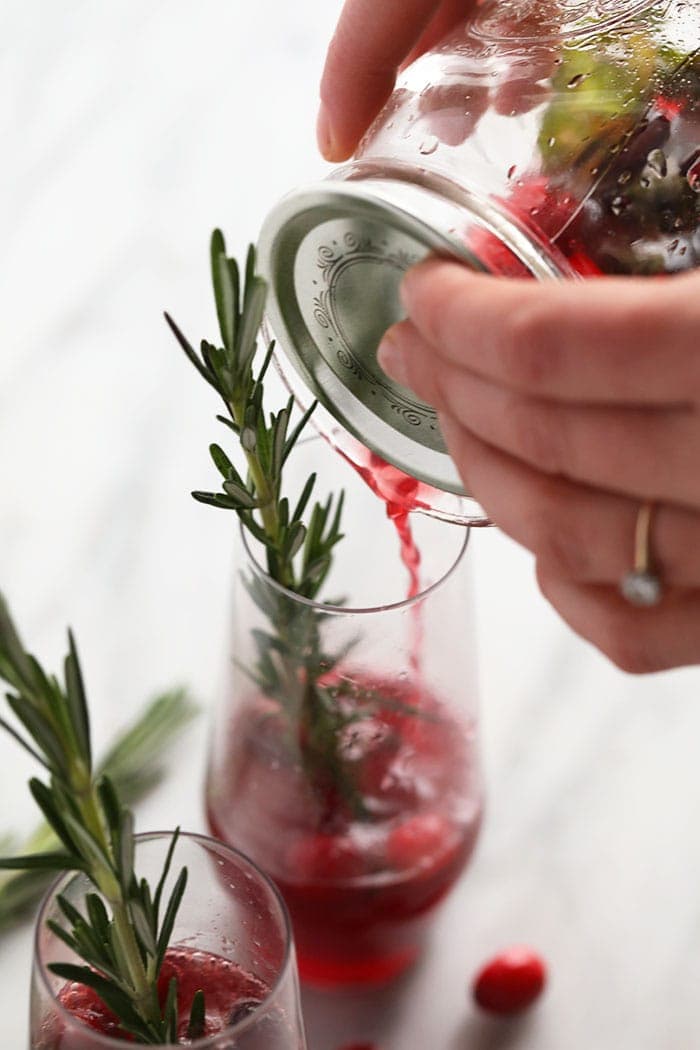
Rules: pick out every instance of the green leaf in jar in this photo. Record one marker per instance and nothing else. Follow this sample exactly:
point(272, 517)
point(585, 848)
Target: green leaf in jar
point(599, 95)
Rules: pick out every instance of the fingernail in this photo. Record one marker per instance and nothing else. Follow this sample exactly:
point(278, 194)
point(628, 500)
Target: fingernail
point(392, 360)
point(324, 134)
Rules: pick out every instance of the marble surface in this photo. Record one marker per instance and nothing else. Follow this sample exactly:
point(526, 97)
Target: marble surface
point(128, 131)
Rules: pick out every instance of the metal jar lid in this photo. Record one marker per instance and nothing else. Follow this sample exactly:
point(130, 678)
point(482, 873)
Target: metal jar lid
point(334, 256)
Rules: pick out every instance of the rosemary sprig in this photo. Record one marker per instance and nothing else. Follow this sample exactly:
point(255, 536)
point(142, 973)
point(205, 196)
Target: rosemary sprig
point(293, 666)
point(124, 933)
point(135, 763)
point(299, 555)
point(298, 544)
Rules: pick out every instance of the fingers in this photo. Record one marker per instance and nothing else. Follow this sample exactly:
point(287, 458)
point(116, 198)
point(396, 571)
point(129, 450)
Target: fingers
point(637, 640)
point(370, 43)
point(613, 340)
point(575, 532)
point(646, 453)
point(583, 542)
point(449, 14)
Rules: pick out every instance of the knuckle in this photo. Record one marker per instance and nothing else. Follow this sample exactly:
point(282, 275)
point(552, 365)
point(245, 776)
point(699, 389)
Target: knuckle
point(443, 311)
point(534, 434)
point(560, 546)
point(531, 355)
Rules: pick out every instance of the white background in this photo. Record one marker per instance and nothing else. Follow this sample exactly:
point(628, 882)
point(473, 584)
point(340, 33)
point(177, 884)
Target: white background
point(127, 131)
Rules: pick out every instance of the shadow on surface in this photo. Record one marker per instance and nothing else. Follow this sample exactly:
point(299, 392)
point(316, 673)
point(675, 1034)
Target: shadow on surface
point(490, 1033)
point(333, 1018)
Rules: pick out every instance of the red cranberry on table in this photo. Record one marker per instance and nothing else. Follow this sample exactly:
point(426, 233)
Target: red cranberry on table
point(511, 982)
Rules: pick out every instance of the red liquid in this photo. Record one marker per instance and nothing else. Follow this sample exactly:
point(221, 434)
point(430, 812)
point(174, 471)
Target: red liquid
point(359, 889)
point(401, 495)
point(230, 992)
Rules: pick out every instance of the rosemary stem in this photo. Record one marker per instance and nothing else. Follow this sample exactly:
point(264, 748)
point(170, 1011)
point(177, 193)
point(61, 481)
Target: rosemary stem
point(267, 497)
point(145, 1000)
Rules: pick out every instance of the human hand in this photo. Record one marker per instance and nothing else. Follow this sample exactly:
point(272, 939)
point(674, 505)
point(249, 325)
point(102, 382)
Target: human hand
point(565, 406)
point(374, 39)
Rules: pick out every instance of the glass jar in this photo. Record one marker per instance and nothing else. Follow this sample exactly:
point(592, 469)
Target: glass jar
point(543, 138)
point(231, 938)
point(577, 122)
point(344, 757)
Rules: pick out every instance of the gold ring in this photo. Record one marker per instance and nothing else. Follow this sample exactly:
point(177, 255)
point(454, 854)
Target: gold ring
point(643, 586)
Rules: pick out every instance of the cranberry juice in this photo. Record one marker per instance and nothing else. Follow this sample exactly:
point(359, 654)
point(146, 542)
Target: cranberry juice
point(359, 884)
point(231, 995)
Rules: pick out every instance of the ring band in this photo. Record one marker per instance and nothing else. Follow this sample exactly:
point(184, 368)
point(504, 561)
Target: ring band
point(642, 586)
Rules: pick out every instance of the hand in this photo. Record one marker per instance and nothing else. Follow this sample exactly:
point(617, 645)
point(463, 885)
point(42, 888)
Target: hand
point(374, 39)
point(565, 406)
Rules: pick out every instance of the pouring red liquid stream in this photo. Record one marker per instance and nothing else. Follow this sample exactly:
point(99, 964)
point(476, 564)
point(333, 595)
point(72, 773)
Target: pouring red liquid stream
point(400, 494)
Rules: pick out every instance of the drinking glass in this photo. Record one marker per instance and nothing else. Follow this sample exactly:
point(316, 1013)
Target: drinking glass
point(344, 756)
point(232, 938)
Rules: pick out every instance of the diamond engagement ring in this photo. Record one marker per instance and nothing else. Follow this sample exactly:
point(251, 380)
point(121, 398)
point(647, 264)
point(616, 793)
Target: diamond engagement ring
point(642, 586)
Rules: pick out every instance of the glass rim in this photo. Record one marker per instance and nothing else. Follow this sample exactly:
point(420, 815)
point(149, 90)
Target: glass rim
point(207, 842)
point(328, 609)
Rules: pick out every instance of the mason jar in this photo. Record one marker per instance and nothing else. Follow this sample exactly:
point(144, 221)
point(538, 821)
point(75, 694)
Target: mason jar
point(542, 138)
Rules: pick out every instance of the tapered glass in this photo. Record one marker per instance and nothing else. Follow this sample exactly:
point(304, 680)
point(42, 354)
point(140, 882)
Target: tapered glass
point(344, 757)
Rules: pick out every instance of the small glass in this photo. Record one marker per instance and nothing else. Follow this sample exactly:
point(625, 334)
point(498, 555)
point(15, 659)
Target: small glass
point(232, 938)
point(344, 758)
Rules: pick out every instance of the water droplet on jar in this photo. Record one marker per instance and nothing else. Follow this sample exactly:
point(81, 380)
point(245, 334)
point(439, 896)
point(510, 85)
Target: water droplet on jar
point(624, 178)
point(644, 182)
point(428, 146)
point(577, 80)
point(673, 246)
point(693, 176)
point(618, 205)
point(512, 170)
point(534, 211)
point(657, 162)
point(551, 142)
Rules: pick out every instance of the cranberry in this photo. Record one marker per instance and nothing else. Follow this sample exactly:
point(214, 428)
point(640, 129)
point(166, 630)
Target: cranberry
point(419, 842)
point(510, 982)
point(87, 1007)
point(319, 857)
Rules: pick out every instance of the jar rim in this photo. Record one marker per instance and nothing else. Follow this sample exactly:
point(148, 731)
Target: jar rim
point(208, 843)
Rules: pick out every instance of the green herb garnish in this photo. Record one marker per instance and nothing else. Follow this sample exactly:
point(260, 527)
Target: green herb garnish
point(293, 666)
point(135, 763)
point(125, 929)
